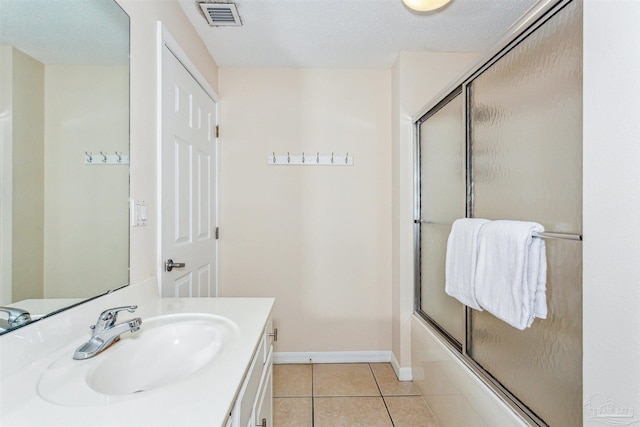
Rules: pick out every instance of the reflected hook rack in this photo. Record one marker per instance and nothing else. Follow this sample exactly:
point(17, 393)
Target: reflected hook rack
point(106, 159)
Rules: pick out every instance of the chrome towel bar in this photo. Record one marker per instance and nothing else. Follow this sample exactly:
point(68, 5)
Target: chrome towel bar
point(541, 234)
point(554, 235)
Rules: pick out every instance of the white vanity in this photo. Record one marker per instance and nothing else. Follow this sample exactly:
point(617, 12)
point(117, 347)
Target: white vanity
point(198, 362)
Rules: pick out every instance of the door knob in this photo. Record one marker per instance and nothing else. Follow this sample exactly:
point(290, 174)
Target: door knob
point(170, 265)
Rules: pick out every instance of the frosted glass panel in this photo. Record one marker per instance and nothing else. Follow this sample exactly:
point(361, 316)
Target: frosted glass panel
point(527, 129)
point(526, 135)
point(442, 192)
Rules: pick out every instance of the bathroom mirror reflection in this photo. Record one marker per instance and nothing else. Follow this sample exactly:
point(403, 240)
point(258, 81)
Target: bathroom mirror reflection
point(64, 110)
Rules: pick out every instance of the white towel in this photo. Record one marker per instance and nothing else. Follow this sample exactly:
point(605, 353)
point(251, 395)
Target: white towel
point(460, 265)
point(511, 272)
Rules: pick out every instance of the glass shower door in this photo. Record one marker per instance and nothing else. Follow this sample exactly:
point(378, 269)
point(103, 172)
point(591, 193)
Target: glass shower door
point(526, 142)
point(442, 194)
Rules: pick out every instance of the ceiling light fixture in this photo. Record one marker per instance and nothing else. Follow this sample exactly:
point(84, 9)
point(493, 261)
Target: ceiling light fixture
point(425, 5)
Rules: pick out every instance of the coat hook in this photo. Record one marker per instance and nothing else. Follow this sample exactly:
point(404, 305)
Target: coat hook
point(119, 157)
point(303, 157)
point(104, 157)
point(274, 157)
point(318, 157)
point(89, 156)
point(332, 158)
point(346, 159)
point(288, 158)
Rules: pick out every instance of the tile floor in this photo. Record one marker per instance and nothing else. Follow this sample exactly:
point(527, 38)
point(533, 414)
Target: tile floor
point(346, 395)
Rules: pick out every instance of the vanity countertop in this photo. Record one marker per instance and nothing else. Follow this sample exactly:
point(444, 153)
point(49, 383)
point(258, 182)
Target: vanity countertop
point(204, 398)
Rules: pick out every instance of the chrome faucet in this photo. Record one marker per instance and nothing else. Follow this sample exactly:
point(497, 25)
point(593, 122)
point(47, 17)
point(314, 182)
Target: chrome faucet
point(17, 317)
point(106, 332)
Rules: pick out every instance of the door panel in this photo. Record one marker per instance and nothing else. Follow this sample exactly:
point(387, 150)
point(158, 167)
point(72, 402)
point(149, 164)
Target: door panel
point(203, 199)
point(183, 285)
point(182, 190)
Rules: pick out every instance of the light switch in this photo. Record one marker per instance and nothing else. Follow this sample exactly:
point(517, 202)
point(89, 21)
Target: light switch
point(138, 211)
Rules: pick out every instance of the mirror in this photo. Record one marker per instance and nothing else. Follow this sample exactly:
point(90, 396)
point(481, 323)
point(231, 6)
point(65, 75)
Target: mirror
point(64, 175)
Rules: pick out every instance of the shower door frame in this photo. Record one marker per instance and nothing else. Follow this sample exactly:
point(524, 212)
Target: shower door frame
point(520, 30)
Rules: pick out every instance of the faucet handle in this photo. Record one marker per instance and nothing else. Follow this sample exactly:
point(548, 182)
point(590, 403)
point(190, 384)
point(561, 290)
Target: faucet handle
point(17, 316)
point(108, 317)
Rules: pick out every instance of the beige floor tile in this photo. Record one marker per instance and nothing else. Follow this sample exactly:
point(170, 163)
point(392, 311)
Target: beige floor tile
point(350, 412)
point(292, 412)
point(410, 411)
point(454, 411)
point(388, 381)
point(291, 380)
point(353, 379)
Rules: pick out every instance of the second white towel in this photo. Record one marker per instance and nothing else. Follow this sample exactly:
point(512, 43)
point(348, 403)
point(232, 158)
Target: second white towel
point(460, 266)
point(510, 279)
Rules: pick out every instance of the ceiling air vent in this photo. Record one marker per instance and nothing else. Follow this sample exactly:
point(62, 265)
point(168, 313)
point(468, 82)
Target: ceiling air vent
point(221, 14)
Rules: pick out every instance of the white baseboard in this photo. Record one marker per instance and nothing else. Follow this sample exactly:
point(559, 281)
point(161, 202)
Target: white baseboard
point(403, 374)
point(280, 358)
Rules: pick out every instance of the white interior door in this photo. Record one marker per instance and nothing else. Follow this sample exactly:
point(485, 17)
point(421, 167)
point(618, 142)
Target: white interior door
point(188, 183)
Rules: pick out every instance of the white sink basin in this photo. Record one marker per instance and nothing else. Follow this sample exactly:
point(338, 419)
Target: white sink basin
point(167, 349)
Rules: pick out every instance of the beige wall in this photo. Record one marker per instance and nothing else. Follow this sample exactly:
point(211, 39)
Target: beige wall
point(28, 177)
point(54, 225)
point(417, 78)
point(144, 14)
point(316, 238)
point(86, 207)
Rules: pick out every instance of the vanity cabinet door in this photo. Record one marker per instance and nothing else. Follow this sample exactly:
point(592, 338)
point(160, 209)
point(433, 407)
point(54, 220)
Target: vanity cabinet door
point(255, 396)
point(263, 409)
point(243, 408)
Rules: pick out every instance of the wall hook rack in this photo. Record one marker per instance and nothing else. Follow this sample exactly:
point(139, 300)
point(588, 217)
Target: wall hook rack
point(106, 159)
point(316, 159)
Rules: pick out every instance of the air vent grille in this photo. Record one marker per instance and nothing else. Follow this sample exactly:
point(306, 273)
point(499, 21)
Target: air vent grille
point(221, 14)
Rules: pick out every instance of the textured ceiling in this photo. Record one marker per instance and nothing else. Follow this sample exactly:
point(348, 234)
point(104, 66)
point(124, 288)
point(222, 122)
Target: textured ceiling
point(67, 31)
point(350, 33)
